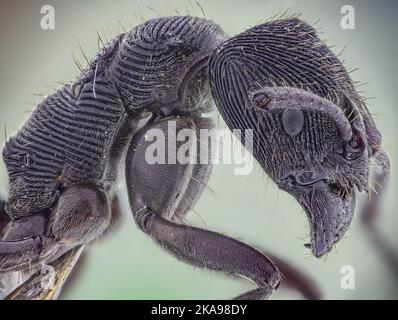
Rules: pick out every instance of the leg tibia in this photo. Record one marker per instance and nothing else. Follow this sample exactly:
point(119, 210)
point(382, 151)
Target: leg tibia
point(211, 250)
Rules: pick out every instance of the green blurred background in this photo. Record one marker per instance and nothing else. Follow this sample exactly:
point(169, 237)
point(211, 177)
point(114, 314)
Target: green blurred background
point(127, 264)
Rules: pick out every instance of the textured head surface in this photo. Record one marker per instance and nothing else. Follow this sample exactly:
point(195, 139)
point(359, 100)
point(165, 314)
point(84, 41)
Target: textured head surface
point(311, 129)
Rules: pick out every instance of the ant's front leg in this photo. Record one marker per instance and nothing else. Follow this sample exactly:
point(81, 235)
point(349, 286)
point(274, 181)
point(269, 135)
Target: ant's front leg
point(214, 251)
point(161, 193)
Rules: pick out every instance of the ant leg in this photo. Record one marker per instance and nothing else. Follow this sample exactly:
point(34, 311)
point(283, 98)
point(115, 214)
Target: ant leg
point(211, 250)
point(372, 206)
point(296, 280)
point(14, 254)
point(154, 202)
point(38, 287)
point(26, 227)
point(22, 241)
point(82, 213)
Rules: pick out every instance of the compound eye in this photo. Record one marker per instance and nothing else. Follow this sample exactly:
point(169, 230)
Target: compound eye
point(293, 121)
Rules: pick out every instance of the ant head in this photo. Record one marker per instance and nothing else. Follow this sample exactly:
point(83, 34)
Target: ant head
point(281, 81)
